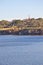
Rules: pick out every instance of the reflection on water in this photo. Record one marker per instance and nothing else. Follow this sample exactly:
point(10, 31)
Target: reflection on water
point(21, 50)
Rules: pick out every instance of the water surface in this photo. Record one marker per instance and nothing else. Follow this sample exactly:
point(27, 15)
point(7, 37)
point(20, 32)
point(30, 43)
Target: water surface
point(21, 50)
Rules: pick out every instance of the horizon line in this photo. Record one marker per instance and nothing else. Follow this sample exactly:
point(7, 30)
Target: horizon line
point(20, 18)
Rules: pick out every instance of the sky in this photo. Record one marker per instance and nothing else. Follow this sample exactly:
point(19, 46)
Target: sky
point(20, 9)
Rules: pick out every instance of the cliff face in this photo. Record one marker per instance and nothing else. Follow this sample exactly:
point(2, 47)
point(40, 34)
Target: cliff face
point(22, 27)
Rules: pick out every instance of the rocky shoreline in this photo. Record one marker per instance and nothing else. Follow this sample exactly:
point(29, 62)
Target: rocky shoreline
point(22, 32)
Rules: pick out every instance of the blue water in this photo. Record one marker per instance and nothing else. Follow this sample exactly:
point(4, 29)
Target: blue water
point(21, 50)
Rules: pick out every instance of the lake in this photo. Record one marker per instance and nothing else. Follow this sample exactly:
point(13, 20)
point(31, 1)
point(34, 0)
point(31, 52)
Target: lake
point(21, 50)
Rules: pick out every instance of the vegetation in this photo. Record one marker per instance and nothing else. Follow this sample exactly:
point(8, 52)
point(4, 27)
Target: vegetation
point(24, 25)
point(26, 22)
point(4, 23)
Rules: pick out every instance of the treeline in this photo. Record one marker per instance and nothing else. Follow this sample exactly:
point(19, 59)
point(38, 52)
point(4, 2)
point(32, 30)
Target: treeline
point(30, 22)
point(24, 25)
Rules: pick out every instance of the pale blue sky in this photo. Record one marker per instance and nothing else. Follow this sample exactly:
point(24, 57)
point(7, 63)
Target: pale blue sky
point(14, 9)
